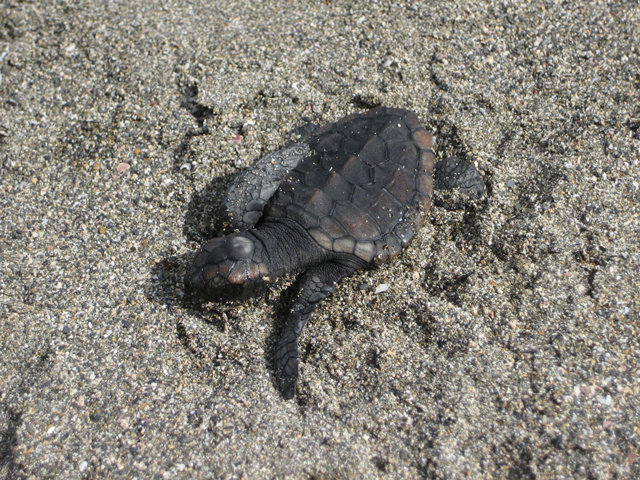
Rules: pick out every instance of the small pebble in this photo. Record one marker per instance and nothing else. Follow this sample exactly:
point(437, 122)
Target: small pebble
point(605, 400)
point(382, 288)
point(404, 455)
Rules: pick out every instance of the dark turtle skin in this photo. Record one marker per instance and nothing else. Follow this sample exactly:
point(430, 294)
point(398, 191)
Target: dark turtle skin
point(348, 197)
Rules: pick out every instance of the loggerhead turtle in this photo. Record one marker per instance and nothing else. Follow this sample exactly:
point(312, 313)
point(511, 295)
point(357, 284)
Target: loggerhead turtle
point(349, 196)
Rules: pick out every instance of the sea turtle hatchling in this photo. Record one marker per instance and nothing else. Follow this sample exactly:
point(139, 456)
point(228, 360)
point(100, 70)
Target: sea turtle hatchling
point(351, 195)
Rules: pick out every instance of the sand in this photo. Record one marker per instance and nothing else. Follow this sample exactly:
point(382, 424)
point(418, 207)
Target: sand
point(507, 342)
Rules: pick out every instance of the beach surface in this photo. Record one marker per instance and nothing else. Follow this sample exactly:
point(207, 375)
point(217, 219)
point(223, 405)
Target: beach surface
point(503, 343)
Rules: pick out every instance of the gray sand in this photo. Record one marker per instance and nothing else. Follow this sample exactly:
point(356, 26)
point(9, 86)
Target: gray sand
point(507, 344)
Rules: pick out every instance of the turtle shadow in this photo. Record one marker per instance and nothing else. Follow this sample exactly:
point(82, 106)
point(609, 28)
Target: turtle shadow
point(201, 218)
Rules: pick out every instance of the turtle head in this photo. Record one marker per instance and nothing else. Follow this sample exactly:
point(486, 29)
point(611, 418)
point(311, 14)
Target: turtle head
point(229, 268)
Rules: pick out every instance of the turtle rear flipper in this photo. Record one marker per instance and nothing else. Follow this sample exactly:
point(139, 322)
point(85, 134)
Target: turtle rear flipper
point(455, 173)
point(456, 184)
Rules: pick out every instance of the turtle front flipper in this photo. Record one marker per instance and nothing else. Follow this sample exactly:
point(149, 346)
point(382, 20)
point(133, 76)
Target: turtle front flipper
point(315, 284)
point(248, 194)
